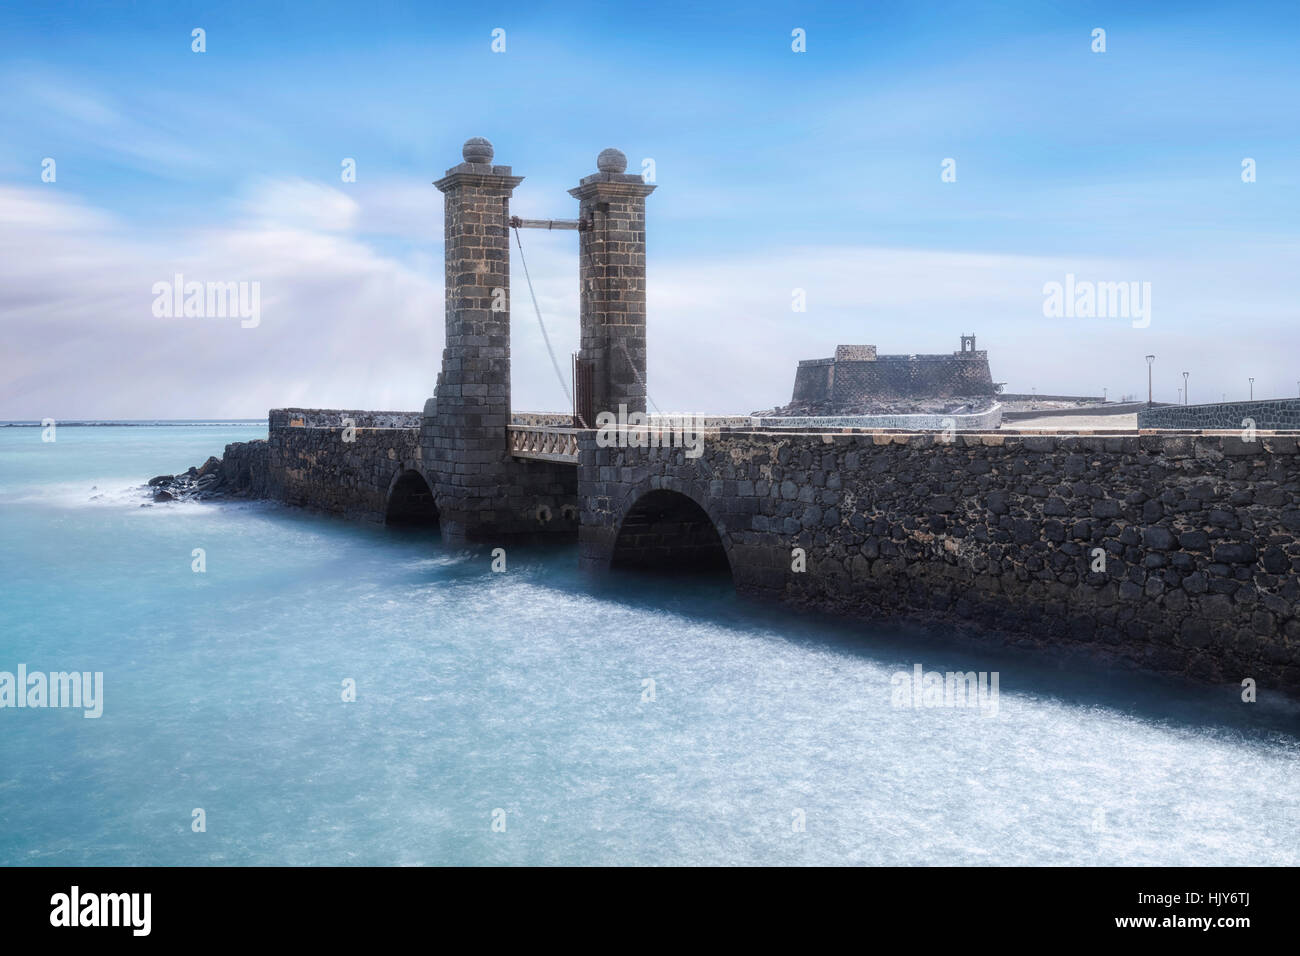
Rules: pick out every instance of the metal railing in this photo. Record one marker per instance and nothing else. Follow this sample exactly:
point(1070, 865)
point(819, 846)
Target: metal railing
point(544, 443)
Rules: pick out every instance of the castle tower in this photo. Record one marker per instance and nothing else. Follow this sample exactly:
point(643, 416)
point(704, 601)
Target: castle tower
point(464, 435)
point(612, 290)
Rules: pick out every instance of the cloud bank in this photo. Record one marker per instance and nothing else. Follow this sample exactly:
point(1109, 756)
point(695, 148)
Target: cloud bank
point(352, 312)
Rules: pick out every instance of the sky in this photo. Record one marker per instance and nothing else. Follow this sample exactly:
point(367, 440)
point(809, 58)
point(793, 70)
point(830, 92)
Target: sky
point(821, 171)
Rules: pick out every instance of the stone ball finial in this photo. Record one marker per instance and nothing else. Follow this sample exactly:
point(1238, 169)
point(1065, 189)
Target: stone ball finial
point(611, 161)
point(477, 150)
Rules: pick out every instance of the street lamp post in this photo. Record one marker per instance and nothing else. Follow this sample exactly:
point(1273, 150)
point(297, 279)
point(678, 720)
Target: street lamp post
point(1185, 374)
point(1252, 389)
point(1150, 359)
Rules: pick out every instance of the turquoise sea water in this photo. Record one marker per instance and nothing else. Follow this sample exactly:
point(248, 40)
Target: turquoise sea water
point(523, 692)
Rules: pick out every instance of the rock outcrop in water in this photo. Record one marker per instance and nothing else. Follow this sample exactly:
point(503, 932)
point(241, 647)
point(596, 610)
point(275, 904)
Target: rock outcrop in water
point(240, 473)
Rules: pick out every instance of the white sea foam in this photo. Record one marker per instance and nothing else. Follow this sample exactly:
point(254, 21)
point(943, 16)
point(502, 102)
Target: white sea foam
point(527, 691)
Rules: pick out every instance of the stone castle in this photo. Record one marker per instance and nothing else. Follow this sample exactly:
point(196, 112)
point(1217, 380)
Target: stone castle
point(857, 377)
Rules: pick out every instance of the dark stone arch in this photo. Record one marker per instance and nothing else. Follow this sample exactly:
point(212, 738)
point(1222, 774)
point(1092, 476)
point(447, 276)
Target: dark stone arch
point(410, 501)
point(667, 530)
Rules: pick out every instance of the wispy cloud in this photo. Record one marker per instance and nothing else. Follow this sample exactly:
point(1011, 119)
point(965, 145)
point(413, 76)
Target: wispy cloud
point(339, 321)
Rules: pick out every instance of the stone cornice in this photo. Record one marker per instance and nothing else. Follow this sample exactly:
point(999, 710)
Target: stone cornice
point(611, 184)
point(479, 174)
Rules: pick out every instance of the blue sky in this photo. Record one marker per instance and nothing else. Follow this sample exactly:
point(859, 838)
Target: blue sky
point(776, 170)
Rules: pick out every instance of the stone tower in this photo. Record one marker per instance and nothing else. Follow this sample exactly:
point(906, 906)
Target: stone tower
point(483, 492)
point(464, 436)
point(612, 283)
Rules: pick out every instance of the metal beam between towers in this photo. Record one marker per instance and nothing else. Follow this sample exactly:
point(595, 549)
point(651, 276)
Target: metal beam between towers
point(517, 223)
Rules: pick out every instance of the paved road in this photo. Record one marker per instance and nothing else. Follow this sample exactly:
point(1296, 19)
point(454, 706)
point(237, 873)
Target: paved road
point(1075, 422)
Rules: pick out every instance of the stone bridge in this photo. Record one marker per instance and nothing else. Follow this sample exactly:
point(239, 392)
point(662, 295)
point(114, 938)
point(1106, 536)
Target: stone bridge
point(1176, 552)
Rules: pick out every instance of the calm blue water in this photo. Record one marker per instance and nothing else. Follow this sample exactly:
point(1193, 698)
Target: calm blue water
point(523, 692)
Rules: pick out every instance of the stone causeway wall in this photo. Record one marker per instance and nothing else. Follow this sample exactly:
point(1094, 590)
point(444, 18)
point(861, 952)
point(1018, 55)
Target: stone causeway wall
point(997, 534)
point(305, 461)
point(980, 421)
point(1279, 413)
point(334, 418)
point(308, 461)
point(314, 467)
point(542, 419)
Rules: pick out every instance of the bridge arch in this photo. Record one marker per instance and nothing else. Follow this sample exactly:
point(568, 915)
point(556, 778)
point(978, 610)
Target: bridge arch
point(670, 529)
point(410, 500)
